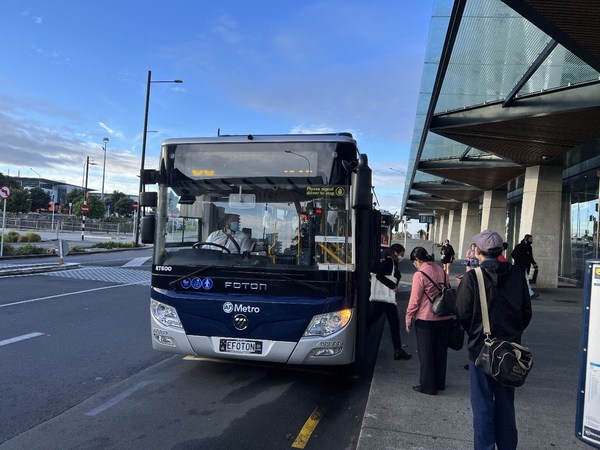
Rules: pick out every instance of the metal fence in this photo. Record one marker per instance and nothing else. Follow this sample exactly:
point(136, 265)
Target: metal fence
point(91, 226)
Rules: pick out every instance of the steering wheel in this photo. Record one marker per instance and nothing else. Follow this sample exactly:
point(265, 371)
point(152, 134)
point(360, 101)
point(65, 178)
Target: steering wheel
point(200, 244)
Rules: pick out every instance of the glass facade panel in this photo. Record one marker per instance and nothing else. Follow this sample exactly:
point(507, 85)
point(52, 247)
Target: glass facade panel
point(580, 224)
point(562, 68)
point(494, 48)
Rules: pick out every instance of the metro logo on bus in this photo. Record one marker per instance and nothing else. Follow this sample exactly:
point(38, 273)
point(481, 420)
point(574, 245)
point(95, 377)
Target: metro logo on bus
point(229, 307)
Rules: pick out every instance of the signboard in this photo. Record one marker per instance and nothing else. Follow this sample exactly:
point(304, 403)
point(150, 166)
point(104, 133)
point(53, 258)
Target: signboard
point(136, 205)
point(85, 209)
point(5, 192)
point(587, 424)
point(424, 218)
point(326, 191)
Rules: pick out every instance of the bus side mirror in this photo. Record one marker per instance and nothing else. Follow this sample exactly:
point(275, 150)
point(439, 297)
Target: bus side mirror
point(362, 184)
point(149, 199)
point(148, 226)
point(149, 176)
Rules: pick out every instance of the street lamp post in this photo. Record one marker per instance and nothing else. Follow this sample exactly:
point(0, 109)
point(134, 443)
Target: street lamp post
point(403, 221)
point(301, 156)
point(105, 140)
point(85, 195)
point(143, 157)
point(39, 177)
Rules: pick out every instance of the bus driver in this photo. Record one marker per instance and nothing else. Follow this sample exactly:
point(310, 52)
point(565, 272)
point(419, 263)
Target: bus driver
point(229, 236)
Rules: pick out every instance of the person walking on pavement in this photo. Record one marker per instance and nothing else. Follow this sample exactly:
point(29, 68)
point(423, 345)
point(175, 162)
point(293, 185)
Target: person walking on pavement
point(509, 309)
point(431, 330)
point(471, 258)
point(384, 287)
point(522, 255)
point(447, 252)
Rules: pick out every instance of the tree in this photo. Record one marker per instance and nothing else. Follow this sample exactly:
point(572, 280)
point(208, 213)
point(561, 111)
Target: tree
point(39, 198)
point(76, 195)
point(6, 180)
point(124, 207)
point(120, 203)
point(19, 201)
point(95, 205)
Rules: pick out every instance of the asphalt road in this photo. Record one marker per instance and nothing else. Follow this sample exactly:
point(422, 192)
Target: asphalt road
point(78, 371)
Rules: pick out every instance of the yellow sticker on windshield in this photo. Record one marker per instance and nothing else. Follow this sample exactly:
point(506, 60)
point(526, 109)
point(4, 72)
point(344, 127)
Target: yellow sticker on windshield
point(203, 172)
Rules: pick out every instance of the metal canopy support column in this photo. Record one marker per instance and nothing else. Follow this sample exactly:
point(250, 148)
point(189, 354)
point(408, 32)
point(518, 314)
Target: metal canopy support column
point(535, 65)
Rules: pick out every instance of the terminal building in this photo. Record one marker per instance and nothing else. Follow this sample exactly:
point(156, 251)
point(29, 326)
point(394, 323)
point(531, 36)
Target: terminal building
point(507, 132)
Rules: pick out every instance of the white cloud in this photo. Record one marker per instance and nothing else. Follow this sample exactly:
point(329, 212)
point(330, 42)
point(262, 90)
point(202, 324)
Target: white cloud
point(310, 129)
point(110, 130)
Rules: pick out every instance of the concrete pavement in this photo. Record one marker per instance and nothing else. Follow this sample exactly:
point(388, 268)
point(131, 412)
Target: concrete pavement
point(396, 417)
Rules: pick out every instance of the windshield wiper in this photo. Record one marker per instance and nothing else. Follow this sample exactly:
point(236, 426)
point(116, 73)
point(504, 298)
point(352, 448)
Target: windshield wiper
point(321, 291)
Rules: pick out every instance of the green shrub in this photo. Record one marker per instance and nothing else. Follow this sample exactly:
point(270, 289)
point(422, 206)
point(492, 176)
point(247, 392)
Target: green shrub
point(34, 237)
point(11, 236)
point(30, 237)
point(30, 249)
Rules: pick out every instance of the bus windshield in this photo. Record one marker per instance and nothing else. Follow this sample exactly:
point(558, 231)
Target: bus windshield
point(254, 205)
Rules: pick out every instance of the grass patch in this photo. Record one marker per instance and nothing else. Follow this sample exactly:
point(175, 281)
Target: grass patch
point(30, 249)
point(8, 250)
point(114, 244)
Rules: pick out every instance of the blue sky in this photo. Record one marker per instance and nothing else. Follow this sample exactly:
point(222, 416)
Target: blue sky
point(74, 72)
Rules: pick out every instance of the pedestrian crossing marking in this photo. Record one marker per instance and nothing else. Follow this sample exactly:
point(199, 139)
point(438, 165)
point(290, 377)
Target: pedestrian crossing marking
point(108, 274)
point(136, 262)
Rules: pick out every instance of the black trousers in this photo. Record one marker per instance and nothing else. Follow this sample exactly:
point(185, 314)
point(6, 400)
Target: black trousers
point(432, 346)
point(391, 312)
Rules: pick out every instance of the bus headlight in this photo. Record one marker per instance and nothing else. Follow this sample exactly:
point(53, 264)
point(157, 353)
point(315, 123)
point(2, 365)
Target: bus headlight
point(165, 314)
point(328, 323)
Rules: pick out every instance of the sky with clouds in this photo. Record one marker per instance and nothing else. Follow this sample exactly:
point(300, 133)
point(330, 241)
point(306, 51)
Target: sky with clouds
point(74, 72)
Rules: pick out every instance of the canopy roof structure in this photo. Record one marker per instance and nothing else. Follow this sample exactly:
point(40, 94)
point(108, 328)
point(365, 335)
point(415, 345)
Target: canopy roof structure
point(512, 84)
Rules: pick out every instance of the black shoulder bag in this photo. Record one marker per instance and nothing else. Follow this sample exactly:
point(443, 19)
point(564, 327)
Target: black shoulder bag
point(506, 362)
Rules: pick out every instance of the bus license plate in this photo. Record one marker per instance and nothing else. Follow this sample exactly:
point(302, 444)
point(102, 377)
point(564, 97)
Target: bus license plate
point(240, 346)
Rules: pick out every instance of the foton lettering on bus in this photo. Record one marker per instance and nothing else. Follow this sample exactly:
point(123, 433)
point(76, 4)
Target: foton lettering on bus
point(245, 285)
point(229, 307)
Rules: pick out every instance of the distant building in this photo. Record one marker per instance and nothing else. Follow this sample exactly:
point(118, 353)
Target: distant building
point(57, 190)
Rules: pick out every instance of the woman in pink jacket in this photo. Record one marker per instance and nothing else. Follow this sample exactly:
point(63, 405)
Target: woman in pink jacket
point(431, 330)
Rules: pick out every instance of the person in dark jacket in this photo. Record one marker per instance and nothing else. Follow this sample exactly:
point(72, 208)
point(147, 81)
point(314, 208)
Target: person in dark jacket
point(522, 255)
point(384, 287)
point(447, 253)
point(509, 310)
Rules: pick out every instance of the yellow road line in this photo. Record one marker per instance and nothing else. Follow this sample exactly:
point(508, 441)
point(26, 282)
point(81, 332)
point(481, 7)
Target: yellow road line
point(309, 426)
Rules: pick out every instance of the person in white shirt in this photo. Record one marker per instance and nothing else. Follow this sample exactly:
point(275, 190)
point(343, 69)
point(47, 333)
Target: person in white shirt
point(230, 237)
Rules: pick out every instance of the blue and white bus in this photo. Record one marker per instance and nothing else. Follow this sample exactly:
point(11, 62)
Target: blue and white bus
point(289, 280)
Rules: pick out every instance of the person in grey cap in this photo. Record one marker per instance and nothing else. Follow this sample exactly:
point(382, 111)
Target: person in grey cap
point(509, 310)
